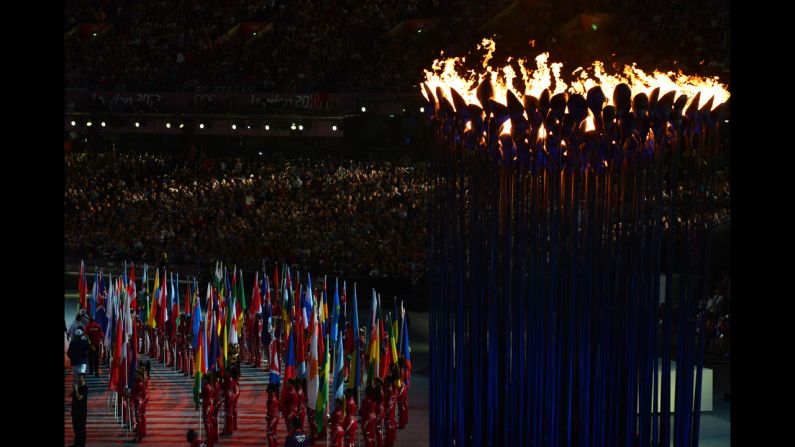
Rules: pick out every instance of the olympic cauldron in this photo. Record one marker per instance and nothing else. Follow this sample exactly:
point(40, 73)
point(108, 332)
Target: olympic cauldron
point(568, 252)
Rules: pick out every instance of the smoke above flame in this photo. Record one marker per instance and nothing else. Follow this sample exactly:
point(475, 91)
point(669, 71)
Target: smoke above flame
point(450, 73)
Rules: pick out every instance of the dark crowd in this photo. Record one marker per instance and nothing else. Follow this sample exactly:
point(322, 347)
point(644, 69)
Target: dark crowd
point(332, 216)
point(359, 46)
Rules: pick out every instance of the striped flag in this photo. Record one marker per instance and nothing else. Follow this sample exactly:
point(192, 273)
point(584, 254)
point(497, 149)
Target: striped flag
point(312, 383)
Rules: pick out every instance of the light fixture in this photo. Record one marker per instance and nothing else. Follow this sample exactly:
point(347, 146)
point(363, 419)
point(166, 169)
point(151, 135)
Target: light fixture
point(364, 109)
point(168, 125)
point(422, 109)
point(201, 126)
point(181, 125)
point(300, 127)
point(292, 126)
point(102, 124)
point(267, 127)
point(234, 126)
point(89, 123)
point(260, 152)
point(137, 124)
point(73, 123)
point(334, 128)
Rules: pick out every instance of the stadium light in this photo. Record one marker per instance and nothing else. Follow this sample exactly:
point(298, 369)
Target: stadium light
point(260, 152)
point(181, 125)
point(168, 125)
point(102, 124)
point(201, 126)
point(364, 109)
point(137, 124)
point(300, 127)
point(292, 126)
point(89, 123)
point(234, 126)
point(267, 127)
point(334, 128)
point(73, 123)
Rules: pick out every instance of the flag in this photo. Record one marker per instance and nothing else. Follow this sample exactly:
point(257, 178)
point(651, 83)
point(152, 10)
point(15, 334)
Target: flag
point(256, 302)
point(289, 366)
point(133, 355)
point(81, 287)
point(154, 301)
point(322, 397)
point(355, 376)
point(174, 305)
point(312, 383)
point(374, 358)
point(307, 302)
point(405, 349)
point(196, 317)
point(300, 353)
point(94, 292)
point(132, 290)
point(162, 306)
point(231, 323)
point(335, 312)
point(275, 365)
point(241, 296)
point(339, 381)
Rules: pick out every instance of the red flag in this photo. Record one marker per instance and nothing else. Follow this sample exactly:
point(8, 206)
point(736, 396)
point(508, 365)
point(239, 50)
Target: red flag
point(256, 301)
point(116, 366)
point(187, 298)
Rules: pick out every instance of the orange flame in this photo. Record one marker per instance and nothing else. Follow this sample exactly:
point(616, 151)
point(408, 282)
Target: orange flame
point(449, 74)
point(505, 129)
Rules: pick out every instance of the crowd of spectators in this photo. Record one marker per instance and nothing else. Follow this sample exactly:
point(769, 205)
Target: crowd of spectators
point(346, 217)
point(344, 46)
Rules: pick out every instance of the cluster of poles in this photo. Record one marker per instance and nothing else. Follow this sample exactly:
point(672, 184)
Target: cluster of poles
point(306, 332)
point(559, 224)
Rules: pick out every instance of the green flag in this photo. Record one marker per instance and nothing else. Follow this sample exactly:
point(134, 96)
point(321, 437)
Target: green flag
point(322, 395)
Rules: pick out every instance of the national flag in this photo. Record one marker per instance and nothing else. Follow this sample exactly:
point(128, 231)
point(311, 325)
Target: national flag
point(275, 365)
point(322, 397)
point(154, 300)
point(339, 380)
point(312, 382)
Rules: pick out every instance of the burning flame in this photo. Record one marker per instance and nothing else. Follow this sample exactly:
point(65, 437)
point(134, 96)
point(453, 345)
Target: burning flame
point(505, 129)
point(589, 122)
point(449, 74)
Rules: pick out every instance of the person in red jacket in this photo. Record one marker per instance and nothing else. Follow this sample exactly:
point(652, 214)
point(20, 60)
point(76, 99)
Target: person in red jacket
point(179, 342)
point(351, 423)
point(300, 389)
point(226, 392)
point(207, 396)
point(367, 413)
point(337, 418)
point(403, 393)
point(254, 345)
point(194, 440)
point(217, 402)
point(272, 415)
point(95, 336)
point(390, 401)
point(289, 404)
point(235, 394)
point(137, 396)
